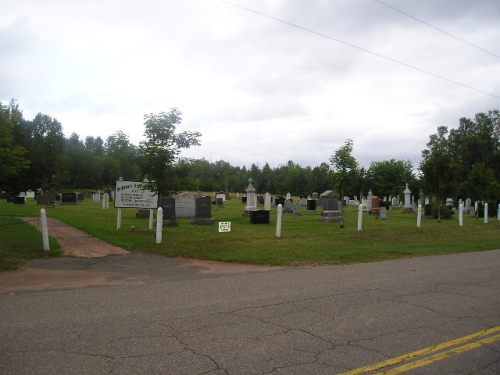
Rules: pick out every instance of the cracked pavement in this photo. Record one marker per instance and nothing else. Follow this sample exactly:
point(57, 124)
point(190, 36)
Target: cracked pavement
point(153, 315)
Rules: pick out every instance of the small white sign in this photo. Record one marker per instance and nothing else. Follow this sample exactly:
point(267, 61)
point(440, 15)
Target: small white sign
point(224, 226)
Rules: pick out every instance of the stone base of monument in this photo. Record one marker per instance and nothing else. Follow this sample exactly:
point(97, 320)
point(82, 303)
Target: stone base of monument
point(331, 217)
point(408, 210)
point(203, 221)
point(259, 217)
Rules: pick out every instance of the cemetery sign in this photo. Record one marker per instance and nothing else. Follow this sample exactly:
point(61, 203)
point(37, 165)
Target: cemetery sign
point(132, 194)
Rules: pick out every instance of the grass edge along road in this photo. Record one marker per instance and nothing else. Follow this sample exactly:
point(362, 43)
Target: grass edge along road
point(427, 356)
point(20, 242)
point(305, 241)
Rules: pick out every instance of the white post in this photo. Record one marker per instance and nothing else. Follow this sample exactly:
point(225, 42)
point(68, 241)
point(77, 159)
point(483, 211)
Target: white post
point(45, 230)
point(360, 217)
point(159, 224)
point(151, 212)
point(461, 214)
point(419, 216)
point(278, 221)
point(498, 212)
point(104, 201)
point(486, 213)
point(119, 218)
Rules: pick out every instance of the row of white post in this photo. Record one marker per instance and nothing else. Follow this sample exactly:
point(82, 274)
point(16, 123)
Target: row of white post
point(159, 221)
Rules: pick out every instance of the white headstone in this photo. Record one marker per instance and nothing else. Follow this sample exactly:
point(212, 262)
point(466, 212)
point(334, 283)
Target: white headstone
point(461, 214)
point(267, 201)
point(407, 193)
point(288, 196)
point(278, 221)
point(486, 213)
point(360, 217)
point(369, 201)
point(251, 197)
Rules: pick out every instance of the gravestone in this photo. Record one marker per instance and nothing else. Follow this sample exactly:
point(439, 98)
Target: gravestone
point(311, 204)
point(288, 206)
point(220, 202)
point(428, 210)
point(167, 205)
point(260, 199)
point(267, 202)
point(259, 217)
point(279, 199)
point(69, 198)
point(30, 194)
point(468, 203)
point(369, 201)
point(4, 195)
point(288, 196)
point(203, 212)
point(251, 197)
point(296, 209)
point(382, 214)
point(303, 201)
point(220, 195)
point(244, 199)
point(375, 209)
point(315, 196)
point(79, 197)
point(331, 207)
point(184, 206)
point(408, 201)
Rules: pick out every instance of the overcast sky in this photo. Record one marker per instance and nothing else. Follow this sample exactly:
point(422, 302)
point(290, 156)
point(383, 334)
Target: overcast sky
point(257, 89)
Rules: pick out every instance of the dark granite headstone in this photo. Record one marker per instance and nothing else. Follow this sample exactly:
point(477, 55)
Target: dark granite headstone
point(4, 195)
point(428, 210)
point(203, 211)
point(167, 204)
point(243, 199)
point(69, 198)
point(259, 217)
point(279, 199)
point(260, 199)
point(311, 204)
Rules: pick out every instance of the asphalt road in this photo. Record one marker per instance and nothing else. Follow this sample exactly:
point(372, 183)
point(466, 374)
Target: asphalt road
point(153, 315)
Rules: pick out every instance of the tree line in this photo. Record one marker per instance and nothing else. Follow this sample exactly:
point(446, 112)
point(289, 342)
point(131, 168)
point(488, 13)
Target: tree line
point(461, 162)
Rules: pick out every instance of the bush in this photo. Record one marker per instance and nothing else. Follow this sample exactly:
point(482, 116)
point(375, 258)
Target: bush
point(445, 212)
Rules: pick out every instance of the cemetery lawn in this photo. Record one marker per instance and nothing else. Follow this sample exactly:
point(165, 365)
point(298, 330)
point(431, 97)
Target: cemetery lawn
point(305, 240)
point(20, 242)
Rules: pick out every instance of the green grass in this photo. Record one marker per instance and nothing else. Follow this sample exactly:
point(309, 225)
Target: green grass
point(305, 240)
point(20, 242)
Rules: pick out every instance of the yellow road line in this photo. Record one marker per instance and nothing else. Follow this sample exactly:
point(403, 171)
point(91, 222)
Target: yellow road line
point(421, 352)
point(442, 355)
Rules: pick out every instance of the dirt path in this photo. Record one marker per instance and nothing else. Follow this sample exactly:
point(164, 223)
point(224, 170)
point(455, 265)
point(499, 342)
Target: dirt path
point(75, 242)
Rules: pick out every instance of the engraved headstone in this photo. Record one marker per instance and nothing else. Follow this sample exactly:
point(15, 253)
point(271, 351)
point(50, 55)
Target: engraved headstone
point(184, 206)
point(203, 212)
point(168, 206)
